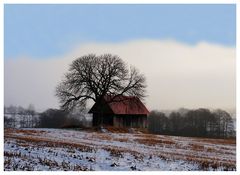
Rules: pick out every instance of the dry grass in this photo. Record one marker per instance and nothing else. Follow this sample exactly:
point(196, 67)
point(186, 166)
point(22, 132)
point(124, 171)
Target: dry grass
point(117, 130)
point(114, 152)
point(120, 130)
point(22, 131)
point(54, 143)
point(12, 154)
point(118, 152)
point(151, 140)
point(190, 152)
point(9, 163)
point(121, 139)
point(211, 150)
point(100, 136)
point(206, 164)
point(218, 141)
point(196, 147)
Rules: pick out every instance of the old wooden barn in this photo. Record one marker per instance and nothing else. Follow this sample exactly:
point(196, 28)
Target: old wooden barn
point(125, 111)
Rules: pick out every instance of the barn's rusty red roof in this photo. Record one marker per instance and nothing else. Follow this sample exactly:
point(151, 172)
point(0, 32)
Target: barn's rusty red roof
point(127, 105)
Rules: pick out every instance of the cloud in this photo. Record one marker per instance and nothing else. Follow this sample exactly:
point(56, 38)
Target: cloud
point(178, 75)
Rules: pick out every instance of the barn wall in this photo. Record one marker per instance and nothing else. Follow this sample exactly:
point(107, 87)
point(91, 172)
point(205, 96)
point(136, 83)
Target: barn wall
point(117, 121)
point(102, 120)
point(145, 123)
point(131, 121)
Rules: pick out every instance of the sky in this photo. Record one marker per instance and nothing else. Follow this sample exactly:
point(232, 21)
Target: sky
point(187, 52)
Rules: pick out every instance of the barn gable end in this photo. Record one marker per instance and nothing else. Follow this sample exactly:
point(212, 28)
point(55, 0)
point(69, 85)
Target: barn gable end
point(124, 111)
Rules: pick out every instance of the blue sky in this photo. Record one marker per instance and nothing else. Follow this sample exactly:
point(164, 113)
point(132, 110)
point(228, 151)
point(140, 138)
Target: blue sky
point(42, 31)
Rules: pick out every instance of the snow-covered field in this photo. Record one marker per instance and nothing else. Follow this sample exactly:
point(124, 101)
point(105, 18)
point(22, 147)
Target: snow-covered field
point(62, 149)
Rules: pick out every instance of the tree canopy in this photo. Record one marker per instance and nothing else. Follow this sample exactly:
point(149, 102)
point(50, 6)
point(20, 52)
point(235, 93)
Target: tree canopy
point(91, 77)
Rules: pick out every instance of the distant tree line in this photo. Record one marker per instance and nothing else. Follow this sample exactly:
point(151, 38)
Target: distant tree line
point(55, 118)
point(198, 123)
point(19, 117)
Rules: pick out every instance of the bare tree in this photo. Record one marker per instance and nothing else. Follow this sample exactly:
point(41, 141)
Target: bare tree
point(93, 77)
point(175, 122)
point(157, 122)
point(30, 114)
point(196, 123)
point(23, 117)
point(224, 123)
point(7, 122)
point(52, 118)
point(13, 112)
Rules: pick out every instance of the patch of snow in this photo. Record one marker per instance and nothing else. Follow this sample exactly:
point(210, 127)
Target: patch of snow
point(110, 151)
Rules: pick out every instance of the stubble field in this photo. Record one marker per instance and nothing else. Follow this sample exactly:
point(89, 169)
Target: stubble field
point(75, 150)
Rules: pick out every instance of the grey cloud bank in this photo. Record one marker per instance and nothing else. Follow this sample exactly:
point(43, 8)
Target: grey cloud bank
point(178, 75)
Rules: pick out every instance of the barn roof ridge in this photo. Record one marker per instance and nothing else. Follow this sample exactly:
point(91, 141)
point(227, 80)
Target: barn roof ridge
point(128, 105)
